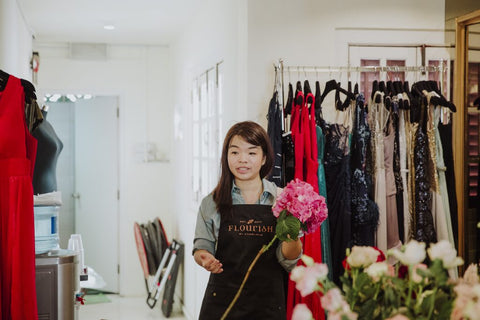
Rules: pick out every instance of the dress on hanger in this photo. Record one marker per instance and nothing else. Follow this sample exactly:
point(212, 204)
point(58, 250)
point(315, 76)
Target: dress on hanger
point(397, 171)
point(274, 131)
point(322, 189)
point(403, 118)
point(17, 236)
point(441, 169)
point(393, 237)
point(424, 230)
point(337, 177)
point(364, 209)
point(411, 132)
point(306, 169)
point(378, 122)
point(445, 131)
point(438, 209)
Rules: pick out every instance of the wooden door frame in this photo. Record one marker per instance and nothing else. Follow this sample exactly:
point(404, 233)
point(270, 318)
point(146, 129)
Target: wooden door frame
point(460, 118)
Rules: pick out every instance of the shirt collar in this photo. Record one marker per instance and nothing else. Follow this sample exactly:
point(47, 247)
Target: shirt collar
point(268, 189)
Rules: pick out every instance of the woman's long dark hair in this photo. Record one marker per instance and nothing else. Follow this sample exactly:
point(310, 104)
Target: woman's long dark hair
point(254, 134)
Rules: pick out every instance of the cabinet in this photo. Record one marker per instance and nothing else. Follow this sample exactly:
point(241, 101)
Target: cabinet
point(57, 281)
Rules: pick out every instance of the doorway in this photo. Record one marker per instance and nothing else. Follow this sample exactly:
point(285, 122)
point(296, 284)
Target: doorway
point(88, 178)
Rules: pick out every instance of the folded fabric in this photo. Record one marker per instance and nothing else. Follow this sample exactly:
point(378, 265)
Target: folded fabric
point(48, 199)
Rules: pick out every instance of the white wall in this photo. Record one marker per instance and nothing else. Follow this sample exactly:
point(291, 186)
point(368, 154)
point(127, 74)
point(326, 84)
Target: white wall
point(15, 41)
point(217, 32)
point(316, 33)
point(250, 36)
point(139, 76)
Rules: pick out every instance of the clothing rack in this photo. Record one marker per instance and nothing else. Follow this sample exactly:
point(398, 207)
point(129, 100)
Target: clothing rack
point(281, 68)
point(311, 69)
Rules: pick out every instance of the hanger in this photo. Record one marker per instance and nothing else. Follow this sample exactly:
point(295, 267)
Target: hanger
point(375, 88)
point(307, 90)
point(288, 105)
point(318, 95)
point(355, 90)
point(3, 79)
point(298, 99)
point(334, 85)
point(406, 89)
point(329, 86)
point(339, 105)
point(28, 87)
point(440, 100)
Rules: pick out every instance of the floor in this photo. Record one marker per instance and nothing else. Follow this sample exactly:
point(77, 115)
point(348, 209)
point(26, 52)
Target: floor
point(122, 308)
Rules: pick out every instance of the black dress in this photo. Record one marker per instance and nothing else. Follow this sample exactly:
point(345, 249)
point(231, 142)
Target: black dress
point(445, 131)
point(424, 230)
point(274, 130)
point(364, 209)
point(397, 170)
point(337, 176)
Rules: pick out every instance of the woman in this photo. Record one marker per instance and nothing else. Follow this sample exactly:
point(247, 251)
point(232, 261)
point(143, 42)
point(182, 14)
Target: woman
point(233, 223)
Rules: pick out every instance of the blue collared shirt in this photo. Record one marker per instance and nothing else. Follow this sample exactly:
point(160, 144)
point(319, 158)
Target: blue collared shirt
point(208, 221)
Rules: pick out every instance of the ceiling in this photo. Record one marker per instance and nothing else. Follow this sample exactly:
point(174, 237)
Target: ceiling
point(153, 22)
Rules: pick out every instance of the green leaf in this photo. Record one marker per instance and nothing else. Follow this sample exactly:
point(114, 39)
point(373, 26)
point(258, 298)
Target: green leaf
point(287, 225)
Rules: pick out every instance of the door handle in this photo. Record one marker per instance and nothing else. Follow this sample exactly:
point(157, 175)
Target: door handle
point(76, 195)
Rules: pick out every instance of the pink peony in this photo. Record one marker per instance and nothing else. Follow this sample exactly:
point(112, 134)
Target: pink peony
point(333, 300)
point(301, 312)
point(300, 200)
point(307, 278)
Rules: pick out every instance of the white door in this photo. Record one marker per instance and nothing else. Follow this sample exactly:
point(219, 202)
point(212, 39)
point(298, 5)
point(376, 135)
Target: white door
point(96, 185)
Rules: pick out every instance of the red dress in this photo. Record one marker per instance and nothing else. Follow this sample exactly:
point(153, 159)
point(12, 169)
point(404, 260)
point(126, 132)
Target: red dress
point(306, 165)
point(18, 299)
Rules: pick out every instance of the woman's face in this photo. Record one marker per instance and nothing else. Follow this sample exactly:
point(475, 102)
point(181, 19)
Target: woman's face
point(244, 159)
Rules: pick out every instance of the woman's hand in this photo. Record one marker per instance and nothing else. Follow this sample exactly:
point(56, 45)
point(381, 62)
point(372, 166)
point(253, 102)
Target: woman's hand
point(291, 249)
point(208, 261)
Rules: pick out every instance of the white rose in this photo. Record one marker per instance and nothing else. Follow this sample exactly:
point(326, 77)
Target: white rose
point(301, 312)
point(307, 260)
point(376, 270)
point(362, 256)
point(476, 291)
point(471, 274)
point(444, 251)
point(414, 253)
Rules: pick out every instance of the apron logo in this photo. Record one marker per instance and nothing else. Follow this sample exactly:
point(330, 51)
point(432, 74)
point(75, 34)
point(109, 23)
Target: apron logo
point(250, 228)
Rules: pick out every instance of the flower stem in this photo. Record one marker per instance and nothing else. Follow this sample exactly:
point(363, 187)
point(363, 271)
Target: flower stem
point(432, 305)
point(237, 295)
point(410, 287)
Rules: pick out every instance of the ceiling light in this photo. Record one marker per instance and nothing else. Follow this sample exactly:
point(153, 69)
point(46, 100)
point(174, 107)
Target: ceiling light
point(71, 97)
point(109, 27)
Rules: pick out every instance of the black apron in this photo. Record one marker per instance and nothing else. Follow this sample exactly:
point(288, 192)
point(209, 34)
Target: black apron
point(240, 238)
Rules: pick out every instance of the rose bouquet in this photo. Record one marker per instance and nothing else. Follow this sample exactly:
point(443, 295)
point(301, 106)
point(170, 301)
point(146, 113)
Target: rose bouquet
point(373, 289)
point(299, 209)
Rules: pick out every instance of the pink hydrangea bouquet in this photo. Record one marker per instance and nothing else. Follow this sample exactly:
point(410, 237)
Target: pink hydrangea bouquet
point(297, 208)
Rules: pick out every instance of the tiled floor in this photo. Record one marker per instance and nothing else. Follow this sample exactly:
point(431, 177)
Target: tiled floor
point(122, 308)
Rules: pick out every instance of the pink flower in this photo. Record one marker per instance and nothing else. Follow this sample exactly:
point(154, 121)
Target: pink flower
point(337, 307)
point(301, 312)
point(307, 278)
point(417, 278)
point(333, 300)
point(300, 200)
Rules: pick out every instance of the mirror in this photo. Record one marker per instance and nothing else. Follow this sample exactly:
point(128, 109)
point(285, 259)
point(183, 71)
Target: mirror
point(466, 135)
